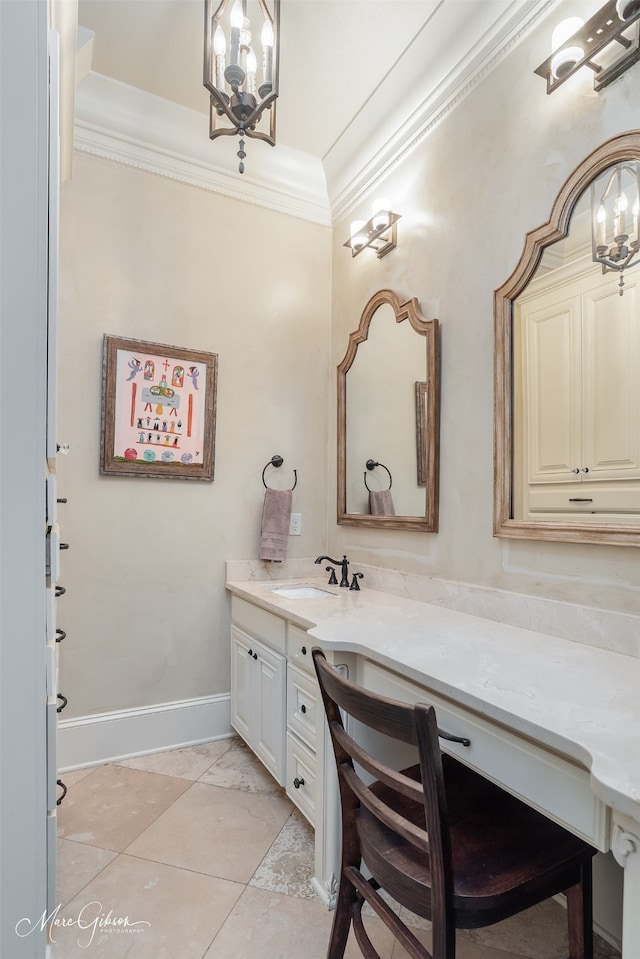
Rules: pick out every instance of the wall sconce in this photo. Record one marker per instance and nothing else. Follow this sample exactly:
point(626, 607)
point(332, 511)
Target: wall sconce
point(242, 93)
point(378, 233)
point(575, 44)
point(615, 218)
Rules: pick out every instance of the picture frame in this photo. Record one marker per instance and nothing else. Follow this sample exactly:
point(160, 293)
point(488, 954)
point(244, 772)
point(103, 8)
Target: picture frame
point(421, 421)
point(158, 410)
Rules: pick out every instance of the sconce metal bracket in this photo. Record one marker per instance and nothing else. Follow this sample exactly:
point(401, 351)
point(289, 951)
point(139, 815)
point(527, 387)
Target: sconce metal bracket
point(603, 28)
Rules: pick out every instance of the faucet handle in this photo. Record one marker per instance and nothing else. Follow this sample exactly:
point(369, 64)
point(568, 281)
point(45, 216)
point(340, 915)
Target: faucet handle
point(354, 582)
point(332, 579)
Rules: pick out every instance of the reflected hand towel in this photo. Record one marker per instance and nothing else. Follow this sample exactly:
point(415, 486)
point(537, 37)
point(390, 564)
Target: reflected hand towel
point(381, 503)
point(276, 518)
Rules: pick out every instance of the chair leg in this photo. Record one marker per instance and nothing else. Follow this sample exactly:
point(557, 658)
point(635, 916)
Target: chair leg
point(341, 919)
point(580, 916)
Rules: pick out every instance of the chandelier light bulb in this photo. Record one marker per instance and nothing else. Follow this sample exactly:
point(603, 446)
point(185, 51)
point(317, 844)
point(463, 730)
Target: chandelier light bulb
point(237, 17)
point(380, 210)
point(219, 42)
point(267, 34)
point(566, 59)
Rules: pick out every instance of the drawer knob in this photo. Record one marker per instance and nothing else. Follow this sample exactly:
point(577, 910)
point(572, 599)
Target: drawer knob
point(303, 708)
point(297, 783)
point(304, 650)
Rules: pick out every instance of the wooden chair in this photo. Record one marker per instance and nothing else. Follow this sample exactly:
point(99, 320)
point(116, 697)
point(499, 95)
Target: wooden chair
point(439, 839)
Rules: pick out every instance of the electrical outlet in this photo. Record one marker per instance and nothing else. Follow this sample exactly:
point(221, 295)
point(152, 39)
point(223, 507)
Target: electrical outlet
point(295, 527)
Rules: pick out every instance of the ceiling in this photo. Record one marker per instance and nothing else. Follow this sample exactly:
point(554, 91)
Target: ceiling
point(357, 77)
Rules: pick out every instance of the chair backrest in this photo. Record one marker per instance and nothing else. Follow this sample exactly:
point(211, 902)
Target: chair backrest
point(415, 725)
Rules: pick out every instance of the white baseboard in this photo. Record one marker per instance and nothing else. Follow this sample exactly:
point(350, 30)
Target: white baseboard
point(122, 734)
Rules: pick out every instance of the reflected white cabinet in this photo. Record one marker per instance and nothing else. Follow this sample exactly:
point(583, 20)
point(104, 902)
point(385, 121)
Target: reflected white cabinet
point(580, 400)
point(258, 677)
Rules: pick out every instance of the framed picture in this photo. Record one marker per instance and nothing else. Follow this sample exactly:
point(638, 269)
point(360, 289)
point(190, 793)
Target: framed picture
point(421, 425)
point(158, 410)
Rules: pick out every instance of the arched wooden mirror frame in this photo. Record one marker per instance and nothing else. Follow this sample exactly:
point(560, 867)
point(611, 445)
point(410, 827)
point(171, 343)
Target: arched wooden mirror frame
point(430, 439)
point(616, 150)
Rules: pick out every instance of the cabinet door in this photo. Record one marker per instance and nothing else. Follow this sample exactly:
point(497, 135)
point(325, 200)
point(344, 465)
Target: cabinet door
point(611, 387)
point(552, 395)
point(269, 672)
point(241, 669)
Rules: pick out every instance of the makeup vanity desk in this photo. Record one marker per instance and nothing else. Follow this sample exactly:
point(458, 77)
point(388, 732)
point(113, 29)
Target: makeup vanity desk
point(555, 722)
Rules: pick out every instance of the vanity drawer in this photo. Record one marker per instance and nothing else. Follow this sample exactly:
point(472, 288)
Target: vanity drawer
point(303, 694)
point(299, 648)
point(259, 623)
point(301, 777)
point(549, 783)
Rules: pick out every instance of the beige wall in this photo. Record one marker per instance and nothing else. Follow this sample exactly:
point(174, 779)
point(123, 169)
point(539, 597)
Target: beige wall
point(142, 256)
point(486, 175)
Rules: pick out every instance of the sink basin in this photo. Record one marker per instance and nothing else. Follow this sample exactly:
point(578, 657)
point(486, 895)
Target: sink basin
point(301, 592)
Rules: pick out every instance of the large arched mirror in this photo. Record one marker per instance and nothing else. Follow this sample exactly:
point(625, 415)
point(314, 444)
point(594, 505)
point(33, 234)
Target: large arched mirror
point(567, 363)
point(388, 418)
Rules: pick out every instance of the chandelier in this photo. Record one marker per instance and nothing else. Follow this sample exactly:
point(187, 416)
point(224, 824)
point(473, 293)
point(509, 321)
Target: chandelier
point(242, 92)
point(615, 218)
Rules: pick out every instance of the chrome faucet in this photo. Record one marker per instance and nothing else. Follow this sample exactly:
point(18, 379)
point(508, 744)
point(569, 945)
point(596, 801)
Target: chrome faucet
point(344, 563)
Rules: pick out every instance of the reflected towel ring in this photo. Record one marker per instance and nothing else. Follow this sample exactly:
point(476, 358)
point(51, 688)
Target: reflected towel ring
point(277, 461)
point(371, 465)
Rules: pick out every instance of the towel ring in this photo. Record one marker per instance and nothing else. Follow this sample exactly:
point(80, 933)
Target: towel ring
point(371, 465)
point(277, 461)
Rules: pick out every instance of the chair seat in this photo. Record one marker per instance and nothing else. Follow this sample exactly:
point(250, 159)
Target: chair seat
point(502, 850)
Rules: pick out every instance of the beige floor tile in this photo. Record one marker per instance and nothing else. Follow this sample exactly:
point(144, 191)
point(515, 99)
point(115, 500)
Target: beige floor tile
point(240, 769)
point(288, 866)
point(73, 777)
point(266, 925)
point(221, 832)
point(77, 864)
point(184, 911)
point(113, 805)
point(188, 763)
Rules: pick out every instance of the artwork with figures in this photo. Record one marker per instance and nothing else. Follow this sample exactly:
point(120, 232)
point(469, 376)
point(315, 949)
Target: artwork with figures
point(158, 410)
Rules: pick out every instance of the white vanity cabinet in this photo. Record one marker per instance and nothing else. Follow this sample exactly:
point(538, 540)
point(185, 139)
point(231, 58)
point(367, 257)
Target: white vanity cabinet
point(258, 684)
point(304, 717)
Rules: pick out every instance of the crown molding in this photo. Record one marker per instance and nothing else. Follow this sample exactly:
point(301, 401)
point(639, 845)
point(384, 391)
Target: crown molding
point(352, 174)
point(130, 126)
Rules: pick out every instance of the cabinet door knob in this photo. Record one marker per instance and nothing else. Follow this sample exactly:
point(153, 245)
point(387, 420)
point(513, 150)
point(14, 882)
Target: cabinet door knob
point(298, 782)
point(303, 708)
point(60, 635)
point(255, 655)
point(585, 469)
point(63, 700)
point(576, 470)
point(64, 546)
point(64, 793)
point(304, 650)
point(250, 652)
point(60, 591)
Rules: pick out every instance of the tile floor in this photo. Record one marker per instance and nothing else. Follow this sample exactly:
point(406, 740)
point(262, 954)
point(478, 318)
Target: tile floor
point(208, 859)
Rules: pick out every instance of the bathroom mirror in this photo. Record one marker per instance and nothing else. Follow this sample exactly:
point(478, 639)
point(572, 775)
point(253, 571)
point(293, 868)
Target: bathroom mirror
point(388, 418)
point(567, 362)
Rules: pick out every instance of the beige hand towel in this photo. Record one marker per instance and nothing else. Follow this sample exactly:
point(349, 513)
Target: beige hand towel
point(276, 517)
point(381, 503)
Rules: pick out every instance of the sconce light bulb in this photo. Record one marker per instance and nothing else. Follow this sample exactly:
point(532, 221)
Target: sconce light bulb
point(267, 34)
point(565, 59)
point(381, 209)
point(623, 203)
point(358, 238)
point(237, 17)
point(627, 8)
point(601, 215)
point(219, 42)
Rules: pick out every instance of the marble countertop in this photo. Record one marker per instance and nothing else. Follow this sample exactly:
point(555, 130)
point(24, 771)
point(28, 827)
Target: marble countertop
point(579, 700)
